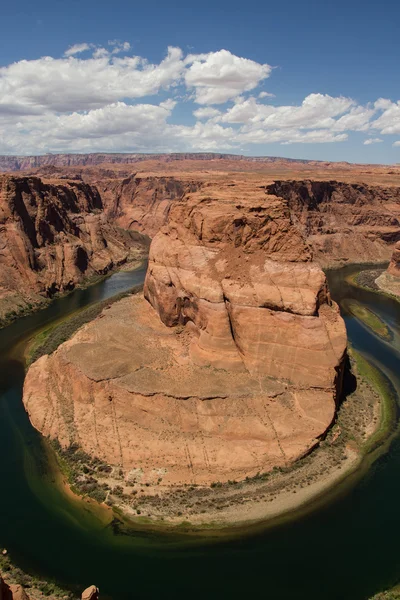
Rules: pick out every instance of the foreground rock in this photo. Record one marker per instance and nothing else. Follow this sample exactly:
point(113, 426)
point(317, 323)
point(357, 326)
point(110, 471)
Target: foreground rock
point(12, 591)
point(91, 593)
point(233, 369)
point(55, 235)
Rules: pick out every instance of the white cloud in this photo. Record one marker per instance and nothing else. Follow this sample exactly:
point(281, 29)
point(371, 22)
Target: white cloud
point(316, 111)
point(370, 141)
point(206, 113)
point(77, 49)
point(68, 84)
point(266, 95)
point(220, 76)
point(106, 101)
point(119, 46)
point(389, 120)
point(357, 119)
point(396, 143)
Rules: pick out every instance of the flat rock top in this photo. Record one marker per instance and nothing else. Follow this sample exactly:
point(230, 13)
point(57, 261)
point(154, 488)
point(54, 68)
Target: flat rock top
point(129, 346)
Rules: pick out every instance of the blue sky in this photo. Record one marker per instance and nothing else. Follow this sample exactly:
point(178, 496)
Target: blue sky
point(330, 69)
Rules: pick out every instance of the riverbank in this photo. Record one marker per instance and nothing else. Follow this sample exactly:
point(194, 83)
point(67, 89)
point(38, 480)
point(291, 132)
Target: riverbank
point(376, 280)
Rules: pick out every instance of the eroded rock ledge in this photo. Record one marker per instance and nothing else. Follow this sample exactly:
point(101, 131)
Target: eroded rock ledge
point(232, 367)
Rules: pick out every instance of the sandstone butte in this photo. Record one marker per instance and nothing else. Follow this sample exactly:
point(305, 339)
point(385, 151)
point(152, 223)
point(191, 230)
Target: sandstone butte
point(232, 363)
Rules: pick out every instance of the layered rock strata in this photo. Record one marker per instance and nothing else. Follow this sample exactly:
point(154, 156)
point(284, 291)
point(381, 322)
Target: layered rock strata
point(53, 235)
point(344, 222)
point(232, 367)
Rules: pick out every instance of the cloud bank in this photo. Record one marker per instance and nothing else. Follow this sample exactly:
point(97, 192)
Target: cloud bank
point(108, 99)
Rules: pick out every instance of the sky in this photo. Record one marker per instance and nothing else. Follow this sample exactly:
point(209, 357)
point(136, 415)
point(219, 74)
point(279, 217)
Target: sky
point(312, 80)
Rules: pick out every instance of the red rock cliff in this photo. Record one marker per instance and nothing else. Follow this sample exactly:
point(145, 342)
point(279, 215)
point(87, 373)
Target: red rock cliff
point(53, 236)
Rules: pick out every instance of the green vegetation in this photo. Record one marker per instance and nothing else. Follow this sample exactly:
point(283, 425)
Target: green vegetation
point(393, 594)
point(49, 339)
point(369, 319)
point(15, 575)
point(367, 372)
point(22, 310)
point(79, 468)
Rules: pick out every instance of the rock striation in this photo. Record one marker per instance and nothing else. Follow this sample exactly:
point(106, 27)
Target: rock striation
point(231, 366)
point(54, 235)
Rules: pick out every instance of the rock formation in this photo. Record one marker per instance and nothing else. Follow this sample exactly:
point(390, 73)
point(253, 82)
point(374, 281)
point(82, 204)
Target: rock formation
point(240, 373)
point(54, 234)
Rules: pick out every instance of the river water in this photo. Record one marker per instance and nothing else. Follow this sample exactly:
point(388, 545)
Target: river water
point(344, 549)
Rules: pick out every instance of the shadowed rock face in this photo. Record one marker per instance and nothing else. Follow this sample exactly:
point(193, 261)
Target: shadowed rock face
point(143, 203)
point(53, 235)
point(343, 221)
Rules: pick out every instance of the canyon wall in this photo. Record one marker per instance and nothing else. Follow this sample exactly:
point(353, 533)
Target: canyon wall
point(344, 222)
point(54, 235)
point(20, 163)
point(143, 203)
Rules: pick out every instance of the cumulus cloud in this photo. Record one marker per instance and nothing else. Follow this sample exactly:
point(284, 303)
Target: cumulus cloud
point(218, 77)
point(316, 111)
point(109, 99)
point(68, 84)
point(396, 143)
point(389, 121)
point(206, 113)
point(370, 141)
